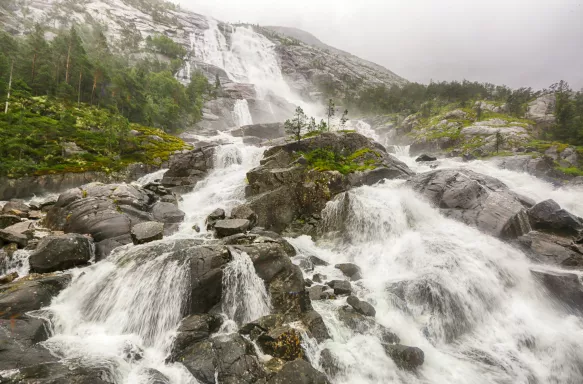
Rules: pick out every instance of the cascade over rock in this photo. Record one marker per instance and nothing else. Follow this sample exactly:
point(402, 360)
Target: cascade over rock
point(285, 187)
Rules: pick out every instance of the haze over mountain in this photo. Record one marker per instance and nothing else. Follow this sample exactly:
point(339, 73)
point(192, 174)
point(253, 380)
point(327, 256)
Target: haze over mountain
point(514, 42)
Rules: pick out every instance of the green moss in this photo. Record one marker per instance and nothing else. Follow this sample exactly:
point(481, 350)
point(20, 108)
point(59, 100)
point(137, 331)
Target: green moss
point(572, 171)
point(327, 160)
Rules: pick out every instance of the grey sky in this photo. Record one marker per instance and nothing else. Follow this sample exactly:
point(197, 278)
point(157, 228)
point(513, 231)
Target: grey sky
point(514, 42)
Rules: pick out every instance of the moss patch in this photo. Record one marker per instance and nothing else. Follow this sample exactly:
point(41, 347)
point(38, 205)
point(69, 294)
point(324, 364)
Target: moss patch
point(327, 160)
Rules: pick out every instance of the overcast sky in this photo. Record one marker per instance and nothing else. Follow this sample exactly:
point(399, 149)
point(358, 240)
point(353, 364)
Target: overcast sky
point(515, 42)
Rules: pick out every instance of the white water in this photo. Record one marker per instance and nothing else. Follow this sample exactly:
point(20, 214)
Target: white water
point(151, 177)
point(17, 263)
point(469, 301)
point(244, 295)
point(241, 113)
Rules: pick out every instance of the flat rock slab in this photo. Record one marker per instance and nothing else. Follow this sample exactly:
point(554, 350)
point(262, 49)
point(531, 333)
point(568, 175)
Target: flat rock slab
point(231, 227)
point(146, 232)
point(57, 253)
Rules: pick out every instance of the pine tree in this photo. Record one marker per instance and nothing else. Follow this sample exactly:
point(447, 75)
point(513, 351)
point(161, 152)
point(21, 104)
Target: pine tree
point(330, 111)
point(296, 126)
point(344, 118)
point(499, 140)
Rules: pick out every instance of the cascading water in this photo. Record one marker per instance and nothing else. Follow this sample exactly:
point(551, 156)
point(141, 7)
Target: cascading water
point(467, 300)
point(241, 113)
point(244, 295)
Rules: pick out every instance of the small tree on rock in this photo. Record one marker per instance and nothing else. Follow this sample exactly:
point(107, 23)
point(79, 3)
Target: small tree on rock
point(297, 125)
point(499, 140)
point(479, 111)
point(344, 118)
point(331, 111)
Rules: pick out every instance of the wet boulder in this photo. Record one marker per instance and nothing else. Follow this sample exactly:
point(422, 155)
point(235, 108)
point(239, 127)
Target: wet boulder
point(350, 270)
point(16, 208)
point(340, 287)
point(147, 232)
point(245, 213)
point(472, 198)
point(365, 325)
point(9, 237)
point(30, 293)
point(565, 287)
point(58, 253)
point(19, 343)
point(229, 227)
point(298, 372)
point(361, 307)
point(551, 249)
point(8, 220)
point(58, 372)
point(321, 292)
point(424, 157)
point(547, 216)
point(185, 170)
point(196, 328)
point(405, 357)
point(109, 211)
point(216, 215)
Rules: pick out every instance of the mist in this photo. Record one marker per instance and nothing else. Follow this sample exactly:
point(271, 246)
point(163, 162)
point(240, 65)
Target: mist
point(513, 42)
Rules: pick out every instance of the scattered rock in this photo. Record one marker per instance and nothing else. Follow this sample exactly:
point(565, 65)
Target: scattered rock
point(350, 270)
point(147, 232)
point(340, 287)
point(319, 278)
point(365, 325)
point(228, 227)
point(187, 169)
point(408, 358)
point(424, 157)
point(57, 253)
point(361, 307)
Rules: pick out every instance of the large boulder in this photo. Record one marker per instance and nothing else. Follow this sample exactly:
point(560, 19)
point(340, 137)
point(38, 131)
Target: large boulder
point(229, 227)
point(108, 212)
point(405, 357)
point(8, 237)
point(547, 216)
point(542, 166)
point(298, 372)
point(548, 248)
point(30, 293)
point(8, 220)
point(187, 169)
point(542, 111)
point(147, 232)
point(565, 287)
point(287, 186)
point(16, 207)
point(475, 199)
point(57, 253)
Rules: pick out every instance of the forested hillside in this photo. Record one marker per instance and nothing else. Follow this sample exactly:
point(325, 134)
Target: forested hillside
point(70, 87)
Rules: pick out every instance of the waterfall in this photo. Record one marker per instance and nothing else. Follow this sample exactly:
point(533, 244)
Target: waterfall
point(151, 177)
point(122, 312)
point(466, 299)
point(241, 113)
point(17, 263)
point(244, 295)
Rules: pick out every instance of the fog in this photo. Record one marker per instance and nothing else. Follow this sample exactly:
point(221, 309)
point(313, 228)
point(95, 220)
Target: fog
point(514, 42)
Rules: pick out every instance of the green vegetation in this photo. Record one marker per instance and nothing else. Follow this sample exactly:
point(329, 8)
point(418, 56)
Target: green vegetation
point(569, 115)
point(327, 160)
point(79, 67)
point(41, 135)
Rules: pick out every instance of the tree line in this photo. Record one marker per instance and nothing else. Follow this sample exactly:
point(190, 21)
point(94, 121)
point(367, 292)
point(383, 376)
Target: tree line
point(80, 67)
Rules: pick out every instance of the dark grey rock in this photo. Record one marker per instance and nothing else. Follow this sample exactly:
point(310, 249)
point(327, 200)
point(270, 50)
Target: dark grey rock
point(319, 278)
point(216, 215)
point(147, 232)
point(57, 253)
point(19, 338)
point(229, 227)
point(167, 213)
point(320, 292)
point(565, 287)
point(246, 213)
point(340, 287)
point(187, 169)
point(350, 270)
point(29, 294)
point(475, 199)
point(16, 208)
point(298, 372)
point(8, 220)
point(361, 307)
point(424, 157)
point(8, 237)
point(547, 216)
point(405, 357)
point(365, 325)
